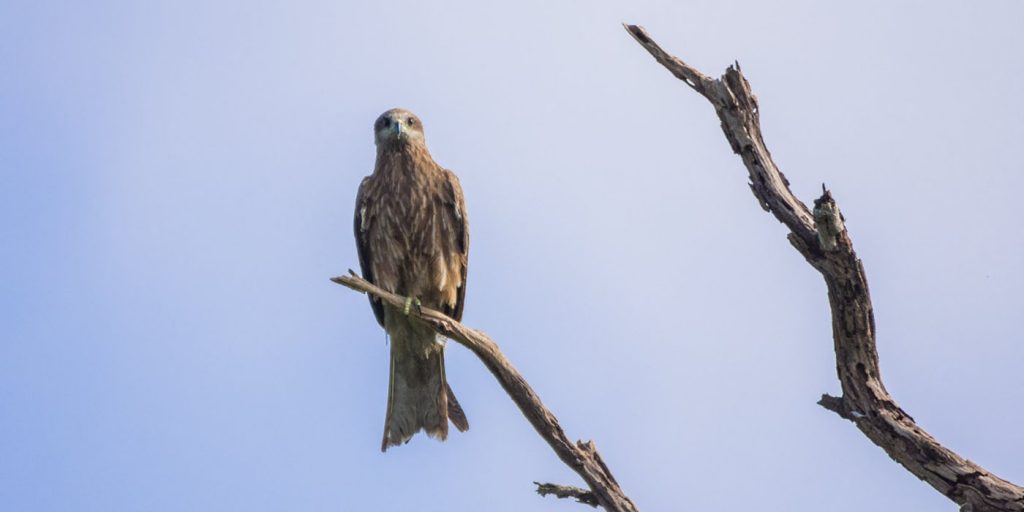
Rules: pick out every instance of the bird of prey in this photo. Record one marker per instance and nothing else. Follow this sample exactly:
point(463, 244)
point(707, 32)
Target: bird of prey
point(412, 235)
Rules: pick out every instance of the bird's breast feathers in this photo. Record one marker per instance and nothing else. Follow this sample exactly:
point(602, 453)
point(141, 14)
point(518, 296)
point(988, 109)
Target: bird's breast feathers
point(410, 231)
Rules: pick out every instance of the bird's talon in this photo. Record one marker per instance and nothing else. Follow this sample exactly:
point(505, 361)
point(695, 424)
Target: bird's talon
point(410, 302)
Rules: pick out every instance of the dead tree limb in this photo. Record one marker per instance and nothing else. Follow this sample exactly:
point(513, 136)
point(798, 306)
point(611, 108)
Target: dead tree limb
point(822, 239)
point(567, 491)
point(581, 456)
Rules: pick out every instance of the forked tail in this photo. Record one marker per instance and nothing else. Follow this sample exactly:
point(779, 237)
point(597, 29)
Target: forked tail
point(419, 397)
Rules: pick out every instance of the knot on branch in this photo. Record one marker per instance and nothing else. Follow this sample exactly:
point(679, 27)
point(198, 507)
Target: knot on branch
point(839, 406)
point(828, 220)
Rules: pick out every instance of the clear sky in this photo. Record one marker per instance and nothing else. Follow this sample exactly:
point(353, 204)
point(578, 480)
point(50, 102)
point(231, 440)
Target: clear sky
point(176, 187)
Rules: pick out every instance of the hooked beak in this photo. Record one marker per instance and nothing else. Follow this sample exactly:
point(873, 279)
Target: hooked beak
point(396, 128)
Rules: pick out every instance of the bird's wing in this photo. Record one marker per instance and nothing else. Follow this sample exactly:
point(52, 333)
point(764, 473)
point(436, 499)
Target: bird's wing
point(363, 219)
point(458, 222)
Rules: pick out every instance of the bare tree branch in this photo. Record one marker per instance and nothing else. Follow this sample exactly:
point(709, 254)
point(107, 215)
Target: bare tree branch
point(823, 241)
point(581, 457)
point(567, 491)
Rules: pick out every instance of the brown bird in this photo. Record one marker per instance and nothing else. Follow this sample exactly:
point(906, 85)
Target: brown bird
point(412, 235)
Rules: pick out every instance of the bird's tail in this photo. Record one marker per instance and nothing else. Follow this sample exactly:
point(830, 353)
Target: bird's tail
point(419, 397)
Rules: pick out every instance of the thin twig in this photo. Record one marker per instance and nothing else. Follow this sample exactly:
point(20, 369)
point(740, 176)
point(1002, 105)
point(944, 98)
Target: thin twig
point(567, 491)
point(826, 245)
point(580, 457)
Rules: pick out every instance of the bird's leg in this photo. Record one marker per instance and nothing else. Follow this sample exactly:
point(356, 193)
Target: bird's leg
point(410, 302)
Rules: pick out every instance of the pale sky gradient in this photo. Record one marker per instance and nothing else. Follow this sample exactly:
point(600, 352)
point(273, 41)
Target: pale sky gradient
point(176, 187)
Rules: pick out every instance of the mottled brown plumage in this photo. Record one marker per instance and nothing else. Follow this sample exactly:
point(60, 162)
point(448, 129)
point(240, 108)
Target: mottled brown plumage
point(413, 239)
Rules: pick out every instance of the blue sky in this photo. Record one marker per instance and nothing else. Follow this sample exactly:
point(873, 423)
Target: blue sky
point(177, 184)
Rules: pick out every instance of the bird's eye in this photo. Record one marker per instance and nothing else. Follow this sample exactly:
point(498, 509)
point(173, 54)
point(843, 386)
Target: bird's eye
point(412, 121)
point(385, 122)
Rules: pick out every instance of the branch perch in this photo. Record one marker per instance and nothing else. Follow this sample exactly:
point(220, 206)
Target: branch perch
point(822, 239)
point(581, 457)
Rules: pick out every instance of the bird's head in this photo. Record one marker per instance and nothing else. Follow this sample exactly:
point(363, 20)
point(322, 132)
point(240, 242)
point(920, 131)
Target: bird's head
point(398, 127)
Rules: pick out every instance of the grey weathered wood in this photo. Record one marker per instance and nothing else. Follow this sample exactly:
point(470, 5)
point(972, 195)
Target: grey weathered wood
point(826, 245)
point(567, 491)
point(581, 456)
